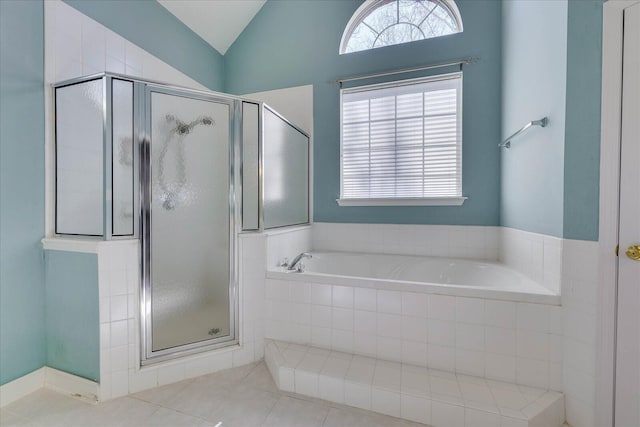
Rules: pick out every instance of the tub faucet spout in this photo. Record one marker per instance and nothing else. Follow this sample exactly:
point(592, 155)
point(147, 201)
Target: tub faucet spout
point(292, 264)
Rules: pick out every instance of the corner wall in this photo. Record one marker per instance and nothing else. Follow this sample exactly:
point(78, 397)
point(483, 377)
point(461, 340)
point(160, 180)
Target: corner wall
point(534, 52)
point(582, 134)
point(22, 335)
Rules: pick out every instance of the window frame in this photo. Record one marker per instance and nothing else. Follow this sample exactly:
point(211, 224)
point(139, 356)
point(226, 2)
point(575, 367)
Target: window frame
point(369, 6)
point(457, 200)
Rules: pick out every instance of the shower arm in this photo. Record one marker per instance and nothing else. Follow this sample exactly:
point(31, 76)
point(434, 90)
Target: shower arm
point(542, 123)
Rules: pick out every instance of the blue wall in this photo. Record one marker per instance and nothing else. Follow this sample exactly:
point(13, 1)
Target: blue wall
point(72, 319)
point(582, 134)
point(531, 189)
point(534, 58)
point(22, 339)
point(281, 49)
point(296, 43)
point(153, 28)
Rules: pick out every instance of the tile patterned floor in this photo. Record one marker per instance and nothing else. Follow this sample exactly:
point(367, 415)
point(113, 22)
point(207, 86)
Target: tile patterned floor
point(239, 397)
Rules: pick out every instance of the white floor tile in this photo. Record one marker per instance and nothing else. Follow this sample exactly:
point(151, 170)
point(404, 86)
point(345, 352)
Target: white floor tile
point(289, 411)
point(247, 396)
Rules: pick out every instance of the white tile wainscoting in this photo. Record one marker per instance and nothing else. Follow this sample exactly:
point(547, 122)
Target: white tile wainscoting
point(287, 243)
point(473, 242)
point(580, 308)
point(535, 255)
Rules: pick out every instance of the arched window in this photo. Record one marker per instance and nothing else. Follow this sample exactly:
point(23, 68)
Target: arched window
point(380, 23)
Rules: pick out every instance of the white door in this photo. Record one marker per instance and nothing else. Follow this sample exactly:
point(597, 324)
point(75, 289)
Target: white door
point(627, 398)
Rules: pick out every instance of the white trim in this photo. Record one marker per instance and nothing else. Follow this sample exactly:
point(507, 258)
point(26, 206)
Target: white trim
point(21, 387)
point(84, 245)
point(287, 229)
point(609, 194)
point(50, 378)
point(363, 11)
point(70, 245)
point(429, 201)
point(73, 385)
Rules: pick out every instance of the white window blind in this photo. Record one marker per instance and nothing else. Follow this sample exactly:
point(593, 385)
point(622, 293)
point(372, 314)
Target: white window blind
point(402, 140)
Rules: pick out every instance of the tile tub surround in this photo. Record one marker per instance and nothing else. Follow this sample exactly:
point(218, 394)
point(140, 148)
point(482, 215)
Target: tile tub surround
point(287, 242)
point(500, 340)
point(434, 397)
point(472, 242)
point(420, 274)
point(537, 256)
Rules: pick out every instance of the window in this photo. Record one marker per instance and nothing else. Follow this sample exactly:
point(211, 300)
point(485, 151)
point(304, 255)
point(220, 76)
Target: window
point(401, 143)
point(380, 23)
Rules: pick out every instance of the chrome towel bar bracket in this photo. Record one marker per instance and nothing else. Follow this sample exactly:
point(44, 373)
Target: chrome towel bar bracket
point(542, 123)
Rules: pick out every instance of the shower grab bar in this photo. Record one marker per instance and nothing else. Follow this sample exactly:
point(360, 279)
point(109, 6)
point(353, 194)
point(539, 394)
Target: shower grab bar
point(542, 123)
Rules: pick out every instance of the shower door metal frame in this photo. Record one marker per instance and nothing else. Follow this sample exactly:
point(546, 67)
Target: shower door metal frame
point(147, 355)
point(107, 155)
point(263, 228)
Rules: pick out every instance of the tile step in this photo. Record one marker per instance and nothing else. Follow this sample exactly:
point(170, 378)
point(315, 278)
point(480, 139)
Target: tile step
point(415, 393)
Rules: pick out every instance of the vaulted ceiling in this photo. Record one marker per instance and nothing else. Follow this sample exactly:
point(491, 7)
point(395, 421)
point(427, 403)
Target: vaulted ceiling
point(218, 22)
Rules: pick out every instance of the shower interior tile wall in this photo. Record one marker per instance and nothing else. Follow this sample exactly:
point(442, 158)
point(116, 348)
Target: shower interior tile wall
point(75, 46)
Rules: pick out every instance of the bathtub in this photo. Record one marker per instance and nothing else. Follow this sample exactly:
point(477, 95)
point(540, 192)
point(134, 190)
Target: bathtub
point(431, 275)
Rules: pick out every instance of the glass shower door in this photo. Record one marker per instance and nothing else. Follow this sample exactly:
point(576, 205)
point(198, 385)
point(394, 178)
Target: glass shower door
point(187, 223)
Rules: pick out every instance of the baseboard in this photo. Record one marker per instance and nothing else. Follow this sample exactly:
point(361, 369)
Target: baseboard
point(20, 387)
point(76, 386)
point(53, 379)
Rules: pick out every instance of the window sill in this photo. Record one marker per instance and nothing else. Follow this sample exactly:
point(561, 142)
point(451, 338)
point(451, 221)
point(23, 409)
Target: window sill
point(430, 201)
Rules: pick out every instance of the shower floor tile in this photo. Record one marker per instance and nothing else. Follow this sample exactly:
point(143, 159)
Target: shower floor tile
point(241, 397)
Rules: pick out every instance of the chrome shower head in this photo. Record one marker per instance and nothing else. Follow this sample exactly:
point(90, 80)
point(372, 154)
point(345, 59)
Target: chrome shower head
point(183, 128)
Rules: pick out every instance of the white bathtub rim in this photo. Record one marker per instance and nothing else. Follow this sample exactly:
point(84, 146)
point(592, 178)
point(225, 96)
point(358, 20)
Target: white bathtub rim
point(418, 287)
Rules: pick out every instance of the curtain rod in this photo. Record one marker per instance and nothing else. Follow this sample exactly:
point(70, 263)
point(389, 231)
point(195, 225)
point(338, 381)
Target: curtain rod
point(460, 62)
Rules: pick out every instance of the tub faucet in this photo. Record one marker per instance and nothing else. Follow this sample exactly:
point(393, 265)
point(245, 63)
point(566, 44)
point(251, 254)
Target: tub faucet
point(292, 264)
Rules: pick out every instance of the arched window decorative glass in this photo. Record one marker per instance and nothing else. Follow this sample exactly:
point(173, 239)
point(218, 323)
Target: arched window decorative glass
point(380, 23)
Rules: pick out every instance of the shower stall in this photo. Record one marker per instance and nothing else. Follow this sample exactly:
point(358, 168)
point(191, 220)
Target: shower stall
point(184, 171)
